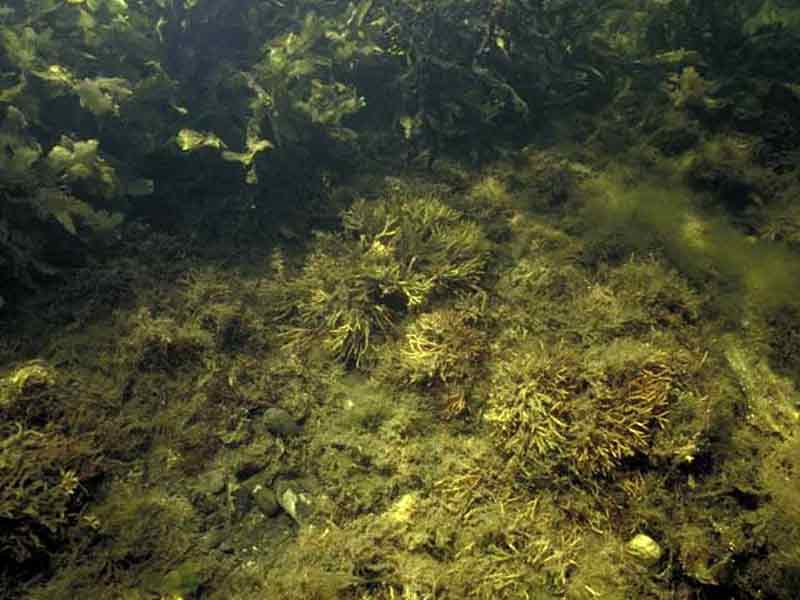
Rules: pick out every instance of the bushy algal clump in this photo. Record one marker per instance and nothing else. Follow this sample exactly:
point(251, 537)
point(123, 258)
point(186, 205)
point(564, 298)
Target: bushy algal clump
point(41, 466)
point(441, 351)
point(558, 413)
point(39, 490)
point(161, 344)
point(394, 256)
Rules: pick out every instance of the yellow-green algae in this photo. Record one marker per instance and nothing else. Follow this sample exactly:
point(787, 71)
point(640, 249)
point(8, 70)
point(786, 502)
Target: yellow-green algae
point(492, 406)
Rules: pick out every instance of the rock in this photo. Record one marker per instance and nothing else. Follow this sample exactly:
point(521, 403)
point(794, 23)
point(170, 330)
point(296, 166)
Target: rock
point(294, 500)
point(279, 422)
point(242, 501)
point(252, 460)
point(248, 467)
point(211, 482)
point(214, 539)
point(645, 549)
point(183, 581)
point(33, 378)
point(227, 547)
point(31, 393)
point(266, 501)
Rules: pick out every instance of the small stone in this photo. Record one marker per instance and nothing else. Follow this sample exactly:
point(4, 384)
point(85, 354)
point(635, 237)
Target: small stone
point(266, 501)
point(243, 501)
point(184, 581)
point(287, 233)
point(227, 547)
point(294, 500)
point(248, 468)
point(212, 482)
point(214, 539)
point(645, 549)
point(206, 504)
point(279, 422)
point(252, 460)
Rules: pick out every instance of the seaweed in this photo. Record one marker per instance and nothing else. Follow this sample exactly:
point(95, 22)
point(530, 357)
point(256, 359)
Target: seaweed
point(392, 257)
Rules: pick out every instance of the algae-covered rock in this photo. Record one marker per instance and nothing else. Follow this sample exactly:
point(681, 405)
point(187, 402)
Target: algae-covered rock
point(31, 377)
point(645, 549)
point(279, 422)
point(183, 581)
point(266, 501)
point(253, 458)
point(294, 500)
point(29, 392)
point(770, 397)
point(212, 482)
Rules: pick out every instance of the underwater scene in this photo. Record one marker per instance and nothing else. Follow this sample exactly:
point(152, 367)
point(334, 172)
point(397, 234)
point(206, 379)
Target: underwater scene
point(400, 299)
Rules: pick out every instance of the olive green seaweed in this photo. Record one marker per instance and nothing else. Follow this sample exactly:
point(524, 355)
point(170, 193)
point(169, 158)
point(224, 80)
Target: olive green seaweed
point(399, 299)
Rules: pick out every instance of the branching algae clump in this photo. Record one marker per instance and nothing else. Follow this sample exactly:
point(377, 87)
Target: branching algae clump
point(41, 467)
point(392, 257)
point(441, 351)
point(556, 413)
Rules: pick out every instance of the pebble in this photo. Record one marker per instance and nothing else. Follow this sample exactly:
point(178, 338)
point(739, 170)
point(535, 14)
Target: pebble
point(266, 501)
point(212, 482)
point(294, 500)
point(645, 549)
point(279, 422)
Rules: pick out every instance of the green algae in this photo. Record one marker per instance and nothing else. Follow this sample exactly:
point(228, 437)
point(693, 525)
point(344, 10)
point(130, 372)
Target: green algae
point(647, 424)
point(480, 381)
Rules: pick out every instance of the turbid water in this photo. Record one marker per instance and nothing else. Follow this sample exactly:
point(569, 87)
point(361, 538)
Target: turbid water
point(399, 300)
